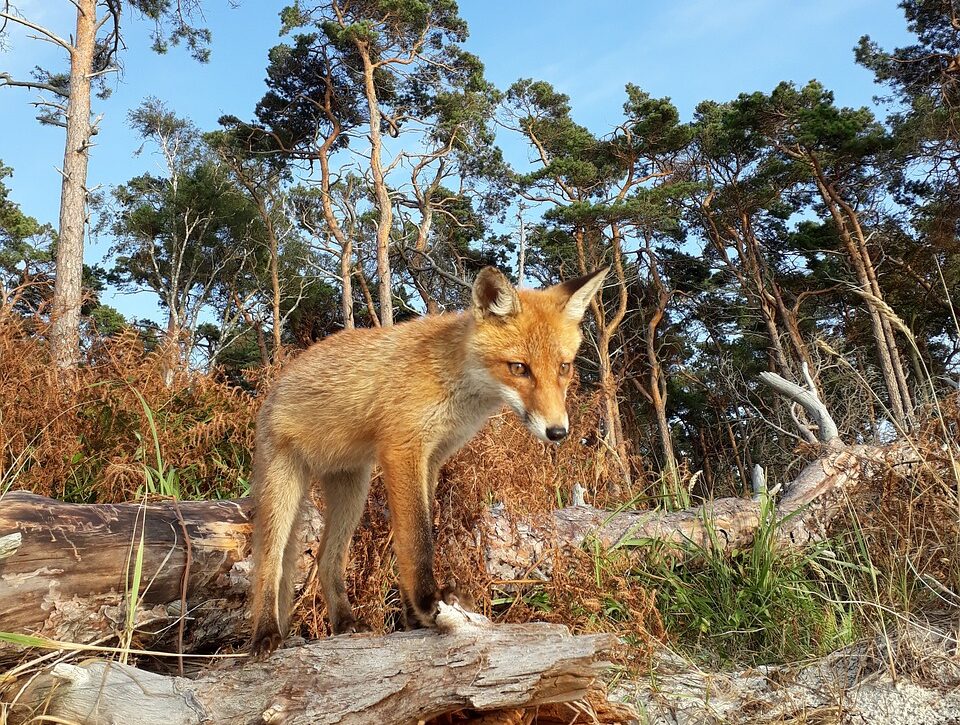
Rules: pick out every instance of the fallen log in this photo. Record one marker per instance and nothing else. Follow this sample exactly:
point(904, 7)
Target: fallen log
point(65, 569)
point(803, 510)
point(69, 578)
point(405, 677)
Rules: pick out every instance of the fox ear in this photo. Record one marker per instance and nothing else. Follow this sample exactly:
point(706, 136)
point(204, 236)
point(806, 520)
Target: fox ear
point(494, 295)
point(578, 292)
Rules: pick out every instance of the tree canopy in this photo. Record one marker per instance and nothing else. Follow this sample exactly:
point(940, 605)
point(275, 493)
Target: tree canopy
point(776, 230)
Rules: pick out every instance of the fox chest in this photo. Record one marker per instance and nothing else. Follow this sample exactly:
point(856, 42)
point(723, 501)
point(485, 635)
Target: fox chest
point(457, 422)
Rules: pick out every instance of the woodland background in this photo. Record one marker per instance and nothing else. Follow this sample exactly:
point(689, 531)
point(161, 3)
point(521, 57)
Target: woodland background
point(773, 231)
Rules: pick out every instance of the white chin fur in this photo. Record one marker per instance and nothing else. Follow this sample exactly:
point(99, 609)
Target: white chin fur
point(538, 426)
point(534, 422)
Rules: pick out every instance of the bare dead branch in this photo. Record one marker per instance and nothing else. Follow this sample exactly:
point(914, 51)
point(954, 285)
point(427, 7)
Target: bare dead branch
point(809, 400)
point(7, 80)
point(46, 32)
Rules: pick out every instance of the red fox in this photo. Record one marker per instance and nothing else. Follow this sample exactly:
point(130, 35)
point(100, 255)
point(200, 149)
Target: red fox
point(406, 398)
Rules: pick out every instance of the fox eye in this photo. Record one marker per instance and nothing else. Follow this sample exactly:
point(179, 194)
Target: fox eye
point(519, 369)
point(564, 369)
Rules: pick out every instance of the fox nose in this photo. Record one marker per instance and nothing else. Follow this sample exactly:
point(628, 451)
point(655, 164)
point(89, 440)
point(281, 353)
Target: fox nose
point(556, 433)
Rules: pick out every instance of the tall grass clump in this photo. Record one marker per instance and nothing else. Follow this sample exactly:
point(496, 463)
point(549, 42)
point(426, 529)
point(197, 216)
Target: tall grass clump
point(901, 527)
point(761, 605)
point(903, 524)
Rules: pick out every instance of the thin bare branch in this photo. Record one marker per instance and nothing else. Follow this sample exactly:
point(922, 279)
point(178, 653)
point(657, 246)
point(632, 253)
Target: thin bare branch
point(45, 32)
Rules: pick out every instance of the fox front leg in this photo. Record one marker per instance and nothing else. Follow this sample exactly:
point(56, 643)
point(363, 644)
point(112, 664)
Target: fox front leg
point(449, 593)
point(410, 480)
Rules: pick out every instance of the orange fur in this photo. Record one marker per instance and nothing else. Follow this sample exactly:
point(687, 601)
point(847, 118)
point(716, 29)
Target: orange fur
point(406, 397)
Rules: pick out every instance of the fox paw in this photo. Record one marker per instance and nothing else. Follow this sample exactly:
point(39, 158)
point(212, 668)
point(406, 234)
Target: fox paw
point(423, 613)
point(264, 643)
point(453, 618)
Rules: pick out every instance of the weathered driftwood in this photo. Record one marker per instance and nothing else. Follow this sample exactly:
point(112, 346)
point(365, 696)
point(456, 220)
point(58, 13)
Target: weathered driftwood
point(400, 678)
point(805, 508)
point(65, 568)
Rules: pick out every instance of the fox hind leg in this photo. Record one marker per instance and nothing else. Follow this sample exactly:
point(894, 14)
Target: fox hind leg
point(345, 494)
point(281, 484)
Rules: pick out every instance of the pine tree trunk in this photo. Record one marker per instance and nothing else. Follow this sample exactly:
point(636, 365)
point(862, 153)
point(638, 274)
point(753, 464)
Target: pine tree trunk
point(262, 346)
point(658, 387)
point(384, 205)
point(789, 320)
point(274, 282)
point(659, 401)
point(346, 277)
point(423, 235)
point(881, 340)
point(777, 352)
point(871, 275)
point(368, 298)
point(171, 345)
point(895, 357)
point(606, 327)
point(766, 302)
point(343, 240)
point(67, 294)
point(611, 407)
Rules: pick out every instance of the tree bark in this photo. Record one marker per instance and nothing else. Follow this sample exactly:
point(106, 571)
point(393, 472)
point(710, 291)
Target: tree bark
point(405, 677)
point(68, 292)
point(658, 397)
point(275, 297)
point(423, 236)
point(344, 241)
point(346, 283)
point(68, 578)
point(606, 327)
point(368, 298)
point(382, 194)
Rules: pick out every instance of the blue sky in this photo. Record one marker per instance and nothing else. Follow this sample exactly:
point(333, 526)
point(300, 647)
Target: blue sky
point(689, 50)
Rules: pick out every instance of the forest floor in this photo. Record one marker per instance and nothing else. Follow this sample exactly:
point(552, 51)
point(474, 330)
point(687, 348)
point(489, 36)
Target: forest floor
point(910, 676)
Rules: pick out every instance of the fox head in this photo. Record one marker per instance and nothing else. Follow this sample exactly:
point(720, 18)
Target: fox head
point(526, 341)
